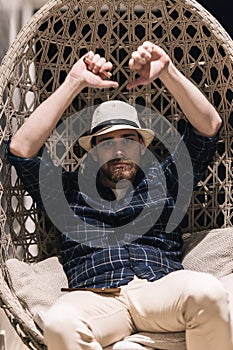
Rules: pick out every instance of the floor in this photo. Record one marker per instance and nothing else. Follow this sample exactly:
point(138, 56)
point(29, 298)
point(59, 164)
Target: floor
point(12, 340)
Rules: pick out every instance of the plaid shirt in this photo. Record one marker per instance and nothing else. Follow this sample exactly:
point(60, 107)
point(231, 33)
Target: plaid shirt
point(151, 255)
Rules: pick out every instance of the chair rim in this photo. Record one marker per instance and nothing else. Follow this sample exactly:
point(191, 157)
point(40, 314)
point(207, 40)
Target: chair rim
point(23, 324)
point(28, 332)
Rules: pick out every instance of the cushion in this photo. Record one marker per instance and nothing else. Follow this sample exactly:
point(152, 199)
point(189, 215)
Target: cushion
point(209, 251)
point(37, 285)
point(146, 340)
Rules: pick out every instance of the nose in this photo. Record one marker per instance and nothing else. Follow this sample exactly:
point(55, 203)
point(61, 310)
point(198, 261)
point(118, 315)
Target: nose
point(119, 154)
point(118, 149)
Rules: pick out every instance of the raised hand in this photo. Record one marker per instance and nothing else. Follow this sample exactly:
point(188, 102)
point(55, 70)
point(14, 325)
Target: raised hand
point(149, 61)
point(91, 70)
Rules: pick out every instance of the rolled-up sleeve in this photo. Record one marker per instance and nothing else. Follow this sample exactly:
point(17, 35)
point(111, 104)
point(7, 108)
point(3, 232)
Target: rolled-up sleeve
point(201, 151)
point(28, 170)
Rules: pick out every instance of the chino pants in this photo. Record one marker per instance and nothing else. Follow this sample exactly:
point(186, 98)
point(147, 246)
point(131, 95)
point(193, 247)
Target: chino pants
point(183, 300)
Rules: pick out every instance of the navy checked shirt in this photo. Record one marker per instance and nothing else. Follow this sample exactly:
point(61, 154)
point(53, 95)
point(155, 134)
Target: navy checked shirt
point(151, 255)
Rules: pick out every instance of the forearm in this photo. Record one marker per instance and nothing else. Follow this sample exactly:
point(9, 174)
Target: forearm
point(151, 62)
point(35, 131)
point(198, 110)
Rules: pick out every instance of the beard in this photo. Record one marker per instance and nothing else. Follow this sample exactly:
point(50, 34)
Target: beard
point(119, 169)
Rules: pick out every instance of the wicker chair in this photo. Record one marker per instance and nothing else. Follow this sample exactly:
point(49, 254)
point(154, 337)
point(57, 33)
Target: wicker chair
point(37, 63)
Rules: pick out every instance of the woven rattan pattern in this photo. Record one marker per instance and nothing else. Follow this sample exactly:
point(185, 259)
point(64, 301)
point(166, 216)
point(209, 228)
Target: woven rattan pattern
point(37, 63)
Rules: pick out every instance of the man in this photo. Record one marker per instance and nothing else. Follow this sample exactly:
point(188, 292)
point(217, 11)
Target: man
point(134, 285)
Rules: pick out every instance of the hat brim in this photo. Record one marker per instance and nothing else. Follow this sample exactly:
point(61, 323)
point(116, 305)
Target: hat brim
point(146, 134)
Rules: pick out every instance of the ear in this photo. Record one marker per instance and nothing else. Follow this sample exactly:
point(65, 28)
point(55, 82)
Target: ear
point(94, 154)
point(142, 149)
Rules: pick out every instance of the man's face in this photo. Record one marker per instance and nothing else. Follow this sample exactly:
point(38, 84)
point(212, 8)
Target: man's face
point(119, 153)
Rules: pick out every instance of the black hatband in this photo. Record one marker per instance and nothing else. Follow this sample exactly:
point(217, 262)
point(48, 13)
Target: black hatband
point(113, 122)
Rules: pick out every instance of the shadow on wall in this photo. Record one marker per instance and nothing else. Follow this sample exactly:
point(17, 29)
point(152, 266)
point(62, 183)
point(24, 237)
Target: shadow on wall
point(4, 31)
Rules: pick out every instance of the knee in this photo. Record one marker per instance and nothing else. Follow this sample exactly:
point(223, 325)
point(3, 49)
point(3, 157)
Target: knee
point(55, 321)
point(205, 292)
point(64, 330)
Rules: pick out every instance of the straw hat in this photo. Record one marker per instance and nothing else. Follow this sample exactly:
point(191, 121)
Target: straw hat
point(115, 115)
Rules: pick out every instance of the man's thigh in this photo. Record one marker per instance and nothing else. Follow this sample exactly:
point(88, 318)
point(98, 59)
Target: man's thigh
point(164, 305)
point(227, 282)
point(104, 315)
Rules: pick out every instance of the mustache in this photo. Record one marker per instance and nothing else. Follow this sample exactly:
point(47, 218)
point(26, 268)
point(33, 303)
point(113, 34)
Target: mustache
point(120, 160)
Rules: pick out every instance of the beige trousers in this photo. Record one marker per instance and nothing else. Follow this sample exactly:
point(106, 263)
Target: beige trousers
point(183, 300)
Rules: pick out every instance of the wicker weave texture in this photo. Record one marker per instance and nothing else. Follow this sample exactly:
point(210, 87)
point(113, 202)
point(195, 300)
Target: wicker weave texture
point(37, 63)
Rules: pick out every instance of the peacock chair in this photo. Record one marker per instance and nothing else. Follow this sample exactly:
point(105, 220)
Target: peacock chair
point(38, 61)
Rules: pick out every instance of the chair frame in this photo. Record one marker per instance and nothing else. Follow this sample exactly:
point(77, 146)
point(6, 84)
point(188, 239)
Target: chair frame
point(37, 62)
